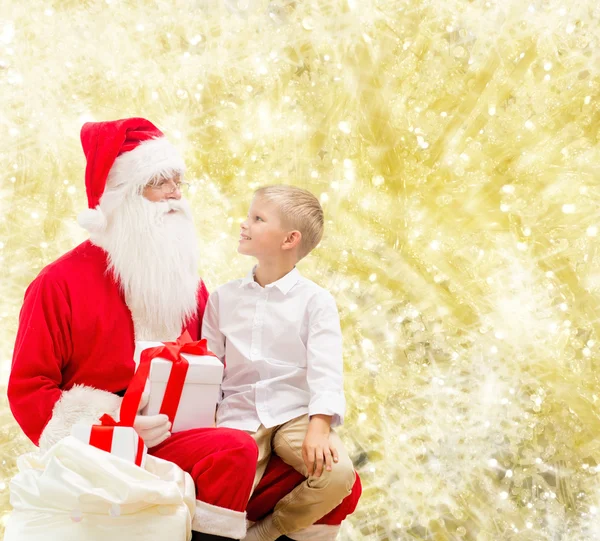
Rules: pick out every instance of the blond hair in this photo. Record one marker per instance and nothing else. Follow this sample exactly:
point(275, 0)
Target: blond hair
point(298, 209)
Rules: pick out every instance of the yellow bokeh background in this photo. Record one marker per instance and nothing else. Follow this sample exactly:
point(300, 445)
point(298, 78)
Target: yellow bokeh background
point(454, 147)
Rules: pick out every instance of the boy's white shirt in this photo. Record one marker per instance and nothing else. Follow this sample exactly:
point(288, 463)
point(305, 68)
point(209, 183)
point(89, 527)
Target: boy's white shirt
point(283, 350)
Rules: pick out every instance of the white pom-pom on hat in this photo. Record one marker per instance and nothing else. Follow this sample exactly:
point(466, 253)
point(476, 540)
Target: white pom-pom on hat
point(92, 220)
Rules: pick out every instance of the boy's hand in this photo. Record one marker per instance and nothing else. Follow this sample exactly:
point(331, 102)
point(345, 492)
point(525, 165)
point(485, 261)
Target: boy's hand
point(317, 449)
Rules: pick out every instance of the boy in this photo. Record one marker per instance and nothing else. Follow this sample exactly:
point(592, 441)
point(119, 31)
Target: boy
point(281, 338)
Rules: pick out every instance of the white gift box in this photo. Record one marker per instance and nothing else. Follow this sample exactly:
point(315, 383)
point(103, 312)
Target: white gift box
point(201, 390)
point(124, 440)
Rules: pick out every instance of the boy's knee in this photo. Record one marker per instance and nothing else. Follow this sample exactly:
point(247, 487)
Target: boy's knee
point(337, 483)
point(342, 478)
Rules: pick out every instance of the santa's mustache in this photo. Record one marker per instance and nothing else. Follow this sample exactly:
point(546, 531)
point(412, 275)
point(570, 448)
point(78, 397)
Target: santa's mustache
point(172, 205)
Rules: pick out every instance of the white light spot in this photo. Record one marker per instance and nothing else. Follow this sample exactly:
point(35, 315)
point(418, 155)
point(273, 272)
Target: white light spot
point(344, 127)
point(503, 495)
point(568, 208)
point(592, 231)
point(529, 125)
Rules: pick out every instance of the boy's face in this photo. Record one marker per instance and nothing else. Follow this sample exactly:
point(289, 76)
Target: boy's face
point(261, 233)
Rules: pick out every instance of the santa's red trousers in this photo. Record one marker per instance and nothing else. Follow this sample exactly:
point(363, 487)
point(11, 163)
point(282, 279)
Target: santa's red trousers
point(222, 463)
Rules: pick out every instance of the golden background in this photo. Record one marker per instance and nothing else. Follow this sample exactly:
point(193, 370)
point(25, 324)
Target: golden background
point(454, 145)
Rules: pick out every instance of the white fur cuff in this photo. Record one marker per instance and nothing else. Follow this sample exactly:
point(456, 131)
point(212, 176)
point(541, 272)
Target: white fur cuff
point(80, 404)
point(219, 520)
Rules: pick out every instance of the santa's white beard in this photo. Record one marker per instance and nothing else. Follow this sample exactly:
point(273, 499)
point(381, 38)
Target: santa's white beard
point(153, 253)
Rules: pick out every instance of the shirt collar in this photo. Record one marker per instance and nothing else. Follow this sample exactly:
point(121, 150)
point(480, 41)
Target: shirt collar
point(284, 284)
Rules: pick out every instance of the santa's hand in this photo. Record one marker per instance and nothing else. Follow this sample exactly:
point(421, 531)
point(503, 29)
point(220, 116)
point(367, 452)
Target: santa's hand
point(153, 429)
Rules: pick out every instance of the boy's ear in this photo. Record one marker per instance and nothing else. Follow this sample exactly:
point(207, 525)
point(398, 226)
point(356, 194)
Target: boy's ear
point(292, 240)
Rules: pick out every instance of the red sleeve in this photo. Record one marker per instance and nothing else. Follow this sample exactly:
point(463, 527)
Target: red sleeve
point(202, 300)
point(43, 346)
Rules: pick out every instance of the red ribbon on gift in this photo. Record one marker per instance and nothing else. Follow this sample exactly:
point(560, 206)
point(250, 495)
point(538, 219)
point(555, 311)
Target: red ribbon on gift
point(169, 351)
point(101, 436)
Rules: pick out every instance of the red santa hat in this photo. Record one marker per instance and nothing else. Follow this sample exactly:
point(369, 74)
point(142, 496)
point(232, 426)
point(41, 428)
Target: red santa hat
point(124, 153)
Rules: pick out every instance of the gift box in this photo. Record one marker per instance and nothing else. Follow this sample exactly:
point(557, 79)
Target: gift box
point(121, 441)
point(189, 379)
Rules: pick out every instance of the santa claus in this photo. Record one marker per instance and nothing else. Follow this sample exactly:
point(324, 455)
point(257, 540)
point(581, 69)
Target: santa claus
point(136, 278)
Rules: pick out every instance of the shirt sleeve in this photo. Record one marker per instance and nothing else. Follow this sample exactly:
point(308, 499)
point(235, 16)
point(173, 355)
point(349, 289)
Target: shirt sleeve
point(210, 327)
point(325, 364)
point(43, 346)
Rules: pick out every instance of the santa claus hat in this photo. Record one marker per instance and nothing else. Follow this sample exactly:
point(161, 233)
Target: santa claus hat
point(124, 153)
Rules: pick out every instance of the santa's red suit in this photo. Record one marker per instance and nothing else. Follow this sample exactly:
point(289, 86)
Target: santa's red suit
point(73, 360)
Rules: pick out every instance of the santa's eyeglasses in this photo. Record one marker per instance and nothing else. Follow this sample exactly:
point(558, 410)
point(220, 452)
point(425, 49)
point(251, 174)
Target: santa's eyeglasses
point(170, 186)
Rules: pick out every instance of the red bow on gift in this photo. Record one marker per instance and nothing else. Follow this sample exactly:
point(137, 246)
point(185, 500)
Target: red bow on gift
point(101, 436)
point(169, 351)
